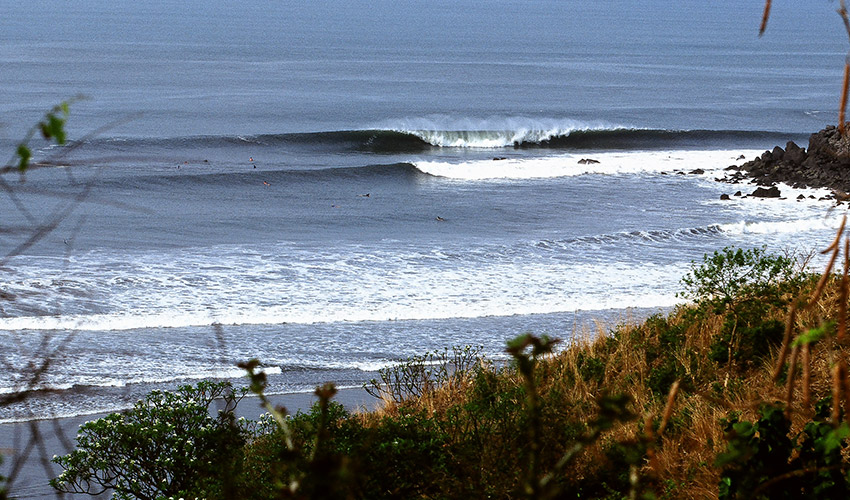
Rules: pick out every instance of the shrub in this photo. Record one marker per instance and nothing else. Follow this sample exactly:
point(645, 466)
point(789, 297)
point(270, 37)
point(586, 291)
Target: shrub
point(732, 277)
point(418, 375)
point(662, 376)
point(752, 342)
point(762, 461)
point(743, 286)
point(167, 445)
point(590, 368)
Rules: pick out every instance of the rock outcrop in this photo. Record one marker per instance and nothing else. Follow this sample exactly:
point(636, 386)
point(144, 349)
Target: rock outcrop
point(771, 192)
point(826, 163)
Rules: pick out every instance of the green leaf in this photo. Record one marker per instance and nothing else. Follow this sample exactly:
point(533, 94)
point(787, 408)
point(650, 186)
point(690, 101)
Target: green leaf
point(56, 128)
point(24, 153)
point(834, 439)
point(813, 335)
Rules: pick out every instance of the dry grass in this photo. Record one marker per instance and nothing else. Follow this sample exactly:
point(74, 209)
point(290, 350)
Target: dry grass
point(682, 430)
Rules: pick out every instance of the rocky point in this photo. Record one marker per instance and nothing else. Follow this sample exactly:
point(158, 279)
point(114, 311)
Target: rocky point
point(825, 164)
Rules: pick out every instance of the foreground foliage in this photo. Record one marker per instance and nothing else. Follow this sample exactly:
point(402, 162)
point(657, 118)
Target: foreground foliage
point(763, 459)
point(167, 445)
point(714, 400)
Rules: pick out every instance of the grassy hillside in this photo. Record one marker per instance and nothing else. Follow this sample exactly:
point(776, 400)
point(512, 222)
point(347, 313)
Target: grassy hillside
point(741, 393)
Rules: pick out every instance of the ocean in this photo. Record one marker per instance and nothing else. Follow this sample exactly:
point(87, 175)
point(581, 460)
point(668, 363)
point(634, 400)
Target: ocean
point(330, 187)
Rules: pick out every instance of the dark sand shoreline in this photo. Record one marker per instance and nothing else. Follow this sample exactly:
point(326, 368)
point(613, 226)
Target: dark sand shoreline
point(30, 445)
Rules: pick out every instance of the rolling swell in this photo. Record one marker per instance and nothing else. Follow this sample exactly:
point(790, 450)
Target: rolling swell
point(658, 139)
point(374, 141)
point(391, 141)
point(395, 172)
point(421, 141)
point(412, 141)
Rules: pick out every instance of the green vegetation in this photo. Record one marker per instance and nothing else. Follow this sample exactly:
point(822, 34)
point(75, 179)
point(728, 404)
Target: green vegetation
point(655, 410)
point(762, 460)
point(51, 127)
point(742, 286)
point(167, 445)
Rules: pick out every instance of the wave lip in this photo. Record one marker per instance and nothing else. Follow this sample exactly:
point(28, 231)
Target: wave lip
point(488, 139)
point(573, 134)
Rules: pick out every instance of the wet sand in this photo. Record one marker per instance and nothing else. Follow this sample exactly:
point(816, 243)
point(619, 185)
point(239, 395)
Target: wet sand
point(27, 447)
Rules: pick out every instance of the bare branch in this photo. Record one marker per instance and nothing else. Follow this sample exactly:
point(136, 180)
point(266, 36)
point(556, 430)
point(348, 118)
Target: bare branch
point(765, 16)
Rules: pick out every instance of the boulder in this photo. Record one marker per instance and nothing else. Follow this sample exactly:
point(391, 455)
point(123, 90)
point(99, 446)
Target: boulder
point(771, 192)
point(828, 142)
point(724, 196)
point(794, 154)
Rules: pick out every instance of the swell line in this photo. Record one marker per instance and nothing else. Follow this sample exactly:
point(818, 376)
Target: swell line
point(417, 140)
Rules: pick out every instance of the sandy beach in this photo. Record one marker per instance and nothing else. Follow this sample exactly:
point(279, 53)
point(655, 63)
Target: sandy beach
point(27, 447)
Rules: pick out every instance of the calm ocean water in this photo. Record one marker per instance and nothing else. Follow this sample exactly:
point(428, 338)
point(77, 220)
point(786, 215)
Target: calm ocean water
point(333, 186)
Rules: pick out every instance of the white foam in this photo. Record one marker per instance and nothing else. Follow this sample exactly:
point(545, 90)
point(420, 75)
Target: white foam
point(778, 227)
point(395, 290)
point(491, 132)
point(66, 411)
point(285, 283)
point(487, 139)
point(326, 363)
point(175, 374)
point(567, 165)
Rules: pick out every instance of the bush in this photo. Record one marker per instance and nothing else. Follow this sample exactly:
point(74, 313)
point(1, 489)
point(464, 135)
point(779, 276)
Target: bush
point(743, 286)
point(732, 277)
point(762, 461)
point(167, 445)
point(397, 457)
point(590, 368)
point(419, 375)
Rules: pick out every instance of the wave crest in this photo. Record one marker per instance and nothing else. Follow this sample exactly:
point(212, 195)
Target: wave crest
point(413, 136)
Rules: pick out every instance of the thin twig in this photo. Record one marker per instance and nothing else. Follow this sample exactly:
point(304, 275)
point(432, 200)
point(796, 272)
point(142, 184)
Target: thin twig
point(58, 216)
point(834, 244)
point(51, 161)
point(842, 11)
point(845, 284)
point(668, 409)
point(807, 375)
point(842, 106)
point(823, 279)
point(783, 351)
point(788, 475)
point(837, 389)
point(789, 386)
point(764, 17)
